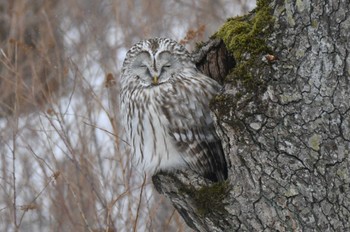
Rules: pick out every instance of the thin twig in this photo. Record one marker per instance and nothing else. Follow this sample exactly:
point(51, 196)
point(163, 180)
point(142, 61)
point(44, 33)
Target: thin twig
point(140, 201)
point(110, 206)
point(14, 136)
point(14, 181)
point(53, 177)
point(108, 132)
point(77, 203)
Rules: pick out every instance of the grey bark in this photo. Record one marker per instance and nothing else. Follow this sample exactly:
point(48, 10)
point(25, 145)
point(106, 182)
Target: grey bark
point(288, 141)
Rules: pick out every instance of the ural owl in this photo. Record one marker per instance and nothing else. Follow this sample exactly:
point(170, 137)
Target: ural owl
point(165, 105)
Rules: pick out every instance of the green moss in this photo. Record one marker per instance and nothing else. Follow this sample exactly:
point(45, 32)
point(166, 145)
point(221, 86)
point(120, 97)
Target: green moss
point(245, 37)
point(199, 45)
point(221, 98)
point(209, 199)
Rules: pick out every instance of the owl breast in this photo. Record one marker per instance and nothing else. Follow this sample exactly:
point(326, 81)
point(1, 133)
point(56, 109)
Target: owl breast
point(152, 147)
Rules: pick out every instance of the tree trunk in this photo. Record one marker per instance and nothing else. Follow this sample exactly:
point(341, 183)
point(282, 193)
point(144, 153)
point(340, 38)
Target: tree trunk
point(284, 120)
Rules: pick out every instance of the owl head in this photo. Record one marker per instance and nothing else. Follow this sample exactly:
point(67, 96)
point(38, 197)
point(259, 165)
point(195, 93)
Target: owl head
point(156, 61)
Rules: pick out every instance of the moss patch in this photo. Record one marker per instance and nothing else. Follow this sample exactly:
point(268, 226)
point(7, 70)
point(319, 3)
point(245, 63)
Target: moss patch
point(209, 199)
point(245, 37)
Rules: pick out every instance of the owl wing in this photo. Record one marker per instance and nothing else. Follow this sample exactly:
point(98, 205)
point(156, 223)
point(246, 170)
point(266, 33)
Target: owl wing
point(202, 151)
point(192, 128)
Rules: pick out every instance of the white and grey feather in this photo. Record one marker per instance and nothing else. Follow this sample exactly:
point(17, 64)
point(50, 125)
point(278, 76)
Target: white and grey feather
point(165, 108)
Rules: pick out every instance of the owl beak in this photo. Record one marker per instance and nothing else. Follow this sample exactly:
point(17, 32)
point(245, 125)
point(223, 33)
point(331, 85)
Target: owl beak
point(155, 80)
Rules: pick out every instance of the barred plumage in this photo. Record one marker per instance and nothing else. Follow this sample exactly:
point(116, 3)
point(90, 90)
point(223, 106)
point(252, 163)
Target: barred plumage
point(165, 104)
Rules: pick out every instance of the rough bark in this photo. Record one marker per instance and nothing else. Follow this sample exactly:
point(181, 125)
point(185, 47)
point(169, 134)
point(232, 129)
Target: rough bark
point(287, 138)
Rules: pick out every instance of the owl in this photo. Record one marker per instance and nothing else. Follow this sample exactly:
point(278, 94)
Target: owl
point(164, 103)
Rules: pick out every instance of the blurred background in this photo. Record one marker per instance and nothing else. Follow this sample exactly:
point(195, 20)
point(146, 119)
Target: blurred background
point(62, 166)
